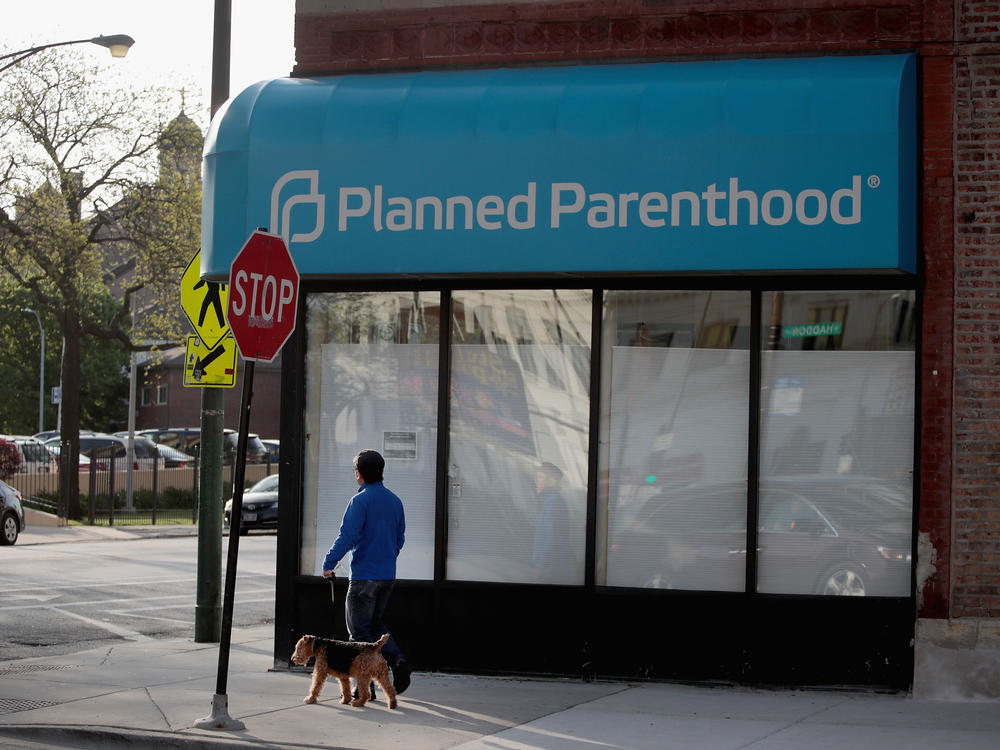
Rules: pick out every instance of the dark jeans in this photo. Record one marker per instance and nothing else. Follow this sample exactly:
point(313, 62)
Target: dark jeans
point(365, 606)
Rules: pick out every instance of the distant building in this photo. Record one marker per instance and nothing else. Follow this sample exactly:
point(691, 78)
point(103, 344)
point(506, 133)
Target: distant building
point(161, 398)
point(163, 401)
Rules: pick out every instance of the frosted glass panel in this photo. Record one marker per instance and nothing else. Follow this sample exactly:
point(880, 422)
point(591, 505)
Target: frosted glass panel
point(372, 383)
point(368, 402)
point(672, 510)
point(837, 445)
point(519, 436)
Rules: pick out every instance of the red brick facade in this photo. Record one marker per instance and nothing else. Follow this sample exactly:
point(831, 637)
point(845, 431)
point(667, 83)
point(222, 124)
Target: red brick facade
point(508, 33)
point(959, 47)
point(183, 407)
point(975, 558)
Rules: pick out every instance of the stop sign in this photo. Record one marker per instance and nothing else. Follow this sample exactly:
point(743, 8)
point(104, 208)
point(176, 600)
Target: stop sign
point(263, 296)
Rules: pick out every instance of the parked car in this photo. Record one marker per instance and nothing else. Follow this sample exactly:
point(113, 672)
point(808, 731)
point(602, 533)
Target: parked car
point(260, 506)
point(184, 439)
point(173, 458)
point(55, 448)
point(46, 436)
point(272, 446)
point(840, 536)
point(11, 514)
point(188, 440)
point(103, 448)
point(256, 452)
point(146, 450)
point(35, 457)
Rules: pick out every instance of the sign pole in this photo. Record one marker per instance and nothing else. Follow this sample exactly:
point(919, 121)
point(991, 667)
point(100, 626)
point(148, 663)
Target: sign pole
point(220, 718)
point(208, 612)
point(261, 313)
point(212, 413)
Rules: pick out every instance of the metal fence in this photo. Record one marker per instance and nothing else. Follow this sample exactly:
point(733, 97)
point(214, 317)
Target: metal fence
point(114, 494)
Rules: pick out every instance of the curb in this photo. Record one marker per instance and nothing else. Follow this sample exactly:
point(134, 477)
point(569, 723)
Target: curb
point(32, 537)
point(85, 737)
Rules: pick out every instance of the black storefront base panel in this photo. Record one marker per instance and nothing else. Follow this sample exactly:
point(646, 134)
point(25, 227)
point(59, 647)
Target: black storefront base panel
point(635, 634)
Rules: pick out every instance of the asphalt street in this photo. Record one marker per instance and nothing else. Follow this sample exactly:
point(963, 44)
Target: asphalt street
point(66, 597)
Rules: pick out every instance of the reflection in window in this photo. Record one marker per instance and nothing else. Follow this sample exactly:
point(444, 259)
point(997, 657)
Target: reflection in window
point(371, 382)
point(837, 430)
point(519, 435)
point(673, 452)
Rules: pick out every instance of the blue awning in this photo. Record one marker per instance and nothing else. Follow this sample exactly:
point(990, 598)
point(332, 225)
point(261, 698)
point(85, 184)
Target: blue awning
point(727, 166)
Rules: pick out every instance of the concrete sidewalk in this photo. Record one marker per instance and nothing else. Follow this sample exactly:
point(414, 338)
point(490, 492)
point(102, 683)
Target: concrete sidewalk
point(149, 694)
point(51, 534)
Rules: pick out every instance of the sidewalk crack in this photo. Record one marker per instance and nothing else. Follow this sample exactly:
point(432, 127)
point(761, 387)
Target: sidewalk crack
point(166, 721)
point(788, 725)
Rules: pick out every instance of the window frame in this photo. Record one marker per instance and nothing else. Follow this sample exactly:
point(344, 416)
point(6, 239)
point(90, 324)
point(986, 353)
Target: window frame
point(756, 285)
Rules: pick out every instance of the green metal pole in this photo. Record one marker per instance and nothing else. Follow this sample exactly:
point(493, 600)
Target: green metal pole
point(208, 609)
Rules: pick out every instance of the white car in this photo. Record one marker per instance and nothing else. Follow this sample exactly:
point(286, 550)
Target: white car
point(54, 446)
point(35, 457)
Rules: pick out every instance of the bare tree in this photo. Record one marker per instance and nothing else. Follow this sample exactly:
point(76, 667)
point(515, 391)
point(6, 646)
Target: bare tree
point(88, 211)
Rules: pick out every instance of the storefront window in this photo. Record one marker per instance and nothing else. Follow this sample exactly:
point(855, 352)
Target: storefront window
point(672, 499)
point(371, 382)
point(835, 445)
point(837, 405)
point(520, 400)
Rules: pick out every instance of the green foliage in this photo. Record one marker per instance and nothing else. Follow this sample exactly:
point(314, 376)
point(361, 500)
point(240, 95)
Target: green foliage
point(99, 214)
point(168, 497)
point(103, 364)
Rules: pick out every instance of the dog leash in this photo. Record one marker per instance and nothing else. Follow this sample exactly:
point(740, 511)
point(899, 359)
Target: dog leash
point(333, 599)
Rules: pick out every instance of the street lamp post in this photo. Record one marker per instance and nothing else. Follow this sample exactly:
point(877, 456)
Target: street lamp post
point(41, 371)
point(118, 44)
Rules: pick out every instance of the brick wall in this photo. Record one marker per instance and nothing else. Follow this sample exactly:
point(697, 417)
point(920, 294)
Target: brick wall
point(521, 33)
point(183, 407)
point(976, 485)
point(960, 75)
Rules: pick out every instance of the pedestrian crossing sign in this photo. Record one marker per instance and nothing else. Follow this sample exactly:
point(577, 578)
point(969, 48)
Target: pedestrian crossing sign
point(204, 304)
point(210, 368)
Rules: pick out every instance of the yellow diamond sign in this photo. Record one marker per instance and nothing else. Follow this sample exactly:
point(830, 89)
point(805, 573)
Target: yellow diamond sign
point(204, 304)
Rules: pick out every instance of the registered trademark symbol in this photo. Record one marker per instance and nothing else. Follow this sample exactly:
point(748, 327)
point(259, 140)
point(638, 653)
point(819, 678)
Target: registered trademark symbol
point(874, 181)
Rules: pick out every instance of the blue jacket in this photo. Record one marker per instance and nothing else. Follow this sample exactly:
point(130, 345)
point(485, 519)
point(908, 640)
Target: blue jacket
point(373, 529)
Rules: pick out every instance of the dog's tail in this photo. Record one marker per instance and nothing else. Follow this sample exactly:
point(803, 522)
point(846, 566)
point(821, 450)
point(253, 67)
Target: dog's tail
point(381, 642)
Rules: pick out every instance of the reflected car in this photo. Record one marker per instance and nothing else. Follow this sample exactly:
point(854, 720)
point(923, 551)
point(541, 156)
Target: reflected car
point(832, 536)
point(260, 506)
point(11, 514)
point(173, 458)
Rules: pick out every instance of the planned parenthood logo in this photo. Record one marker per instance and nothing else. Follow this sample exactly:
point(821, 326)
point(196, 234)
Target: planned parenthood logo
point(281, 213)
point(728, 202)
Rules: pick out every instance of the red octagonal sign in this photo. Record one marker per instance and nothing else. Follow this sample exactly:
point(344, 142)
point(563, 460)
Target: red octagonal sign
point(263, 296)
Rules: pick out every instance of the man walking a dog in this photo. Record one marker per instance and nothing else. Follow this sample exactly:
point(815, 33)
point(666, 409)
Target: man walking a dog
point(373, 530)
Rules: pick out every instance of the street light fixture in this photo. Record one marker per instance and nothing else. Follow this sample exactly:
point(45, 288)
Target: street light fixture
point(41, 372)
point(118, 44)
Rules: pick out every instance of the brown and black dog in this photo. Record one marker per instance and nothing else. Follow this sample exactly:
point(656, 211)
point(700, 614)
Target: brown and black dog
point(344, 660)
